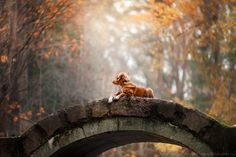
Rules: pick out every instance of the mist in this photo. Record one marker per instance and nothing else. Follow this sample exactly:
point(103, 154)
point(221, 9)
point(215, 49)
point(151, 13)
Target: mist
point(108, 30)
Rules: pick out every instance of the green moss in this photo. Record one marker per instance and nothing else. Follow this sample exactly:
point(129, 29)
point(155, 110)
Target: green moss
point(225, 125)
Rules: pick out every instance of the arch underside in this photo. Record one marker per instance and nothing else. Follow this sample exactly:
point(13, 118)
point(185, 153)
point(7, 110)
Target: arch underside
point(98, 144)
point(96, 137)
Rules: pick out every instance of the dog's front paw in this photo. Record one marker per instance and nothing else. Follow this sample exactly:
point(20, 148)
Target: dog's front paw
point(116, 97)
point(110, 99)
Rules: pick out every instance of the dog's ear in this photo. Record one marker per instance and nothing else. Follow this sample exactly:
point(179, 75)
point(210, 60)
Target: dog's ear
point(125, 77)
point(119, 76)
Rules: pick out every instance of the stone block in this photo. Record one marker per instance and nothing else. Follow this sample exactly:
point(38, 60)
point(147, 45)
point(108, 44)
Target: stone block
point(76, 113)
point(51, 124)
point(194, 121)
point(33, 139)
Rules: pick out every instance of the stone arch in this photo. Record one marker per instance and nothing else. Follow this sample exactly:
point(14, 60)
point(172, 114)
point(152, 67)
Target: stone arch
point(93, 138)
point(89, 129)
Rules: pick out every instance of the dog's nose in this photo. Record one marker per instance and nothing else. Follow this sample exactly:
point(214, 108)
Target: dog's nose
point(114, 82)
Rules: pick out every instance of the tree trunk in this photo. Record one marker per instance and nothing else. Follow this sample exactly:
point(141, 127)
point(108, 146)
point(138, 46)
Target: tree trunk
point(9, 127)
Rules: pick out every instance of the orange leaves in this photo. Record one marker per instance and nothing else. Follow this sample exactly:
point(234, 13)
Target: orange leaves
point(66, 43)
point(12, 107)
point(74, 45)
point(164, 14)
point(15, 119)
point(54, 15)
point(4, 29)
point(53, 9)
point(37, 22)
point(36, 34)
point(152, 1)
point(59, 8)
point(23, 116)
point(3, 58)
point(168, 2)
point(190, 9)
point(223, 106)
point(48, 54)
point(79, 2)
point(70, 11)
point(14, 110)
point(41, 111)
point(49, 12)
point(28, 115)
point(162, 147)
point(130, 154)
point(40, 9)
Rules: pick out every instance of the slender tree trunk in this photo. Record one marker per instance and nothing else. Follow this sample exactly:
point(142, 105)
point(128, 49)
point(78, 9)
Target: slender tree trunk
point(12, 84)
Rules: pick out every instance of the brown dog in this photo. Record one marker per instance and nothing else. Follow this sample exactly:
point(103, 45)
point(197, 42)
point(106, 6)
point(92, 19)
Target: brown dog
point(128, 88)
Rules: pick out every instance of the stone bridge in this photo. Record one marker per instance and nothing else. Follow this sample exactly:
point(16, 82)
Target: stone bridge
point(89, 129)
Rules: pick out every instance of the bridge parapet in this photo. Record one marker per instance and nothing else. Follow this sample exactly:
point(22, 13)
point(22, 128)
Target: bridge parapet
point(137, 119)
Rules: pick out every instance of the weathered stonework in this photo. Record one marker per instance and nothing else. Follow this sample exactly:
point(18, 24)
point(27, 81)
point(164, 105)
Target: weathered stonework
point(99, 109)
point(75, 113)
point(32, 139)
point(93, 128)
point(195, 122)
point(51, 124)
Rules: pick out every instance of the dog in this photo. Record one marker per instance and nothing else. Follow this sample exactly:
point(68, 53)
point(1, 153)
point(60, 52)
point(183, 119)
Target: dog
point(128, 88)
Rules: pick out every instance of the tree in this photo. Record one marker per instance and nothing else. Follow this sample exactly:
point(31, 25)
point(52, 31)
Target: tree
point(22, 24)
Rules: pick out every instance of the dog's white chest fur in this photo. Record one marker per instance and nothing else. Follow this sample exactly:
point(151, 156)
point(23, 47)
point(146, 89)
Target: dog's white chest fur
point(112, 97)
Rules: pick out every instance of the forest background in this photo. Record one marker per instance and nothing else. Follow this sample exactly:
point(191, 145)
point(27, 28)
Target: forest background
point(55, 54)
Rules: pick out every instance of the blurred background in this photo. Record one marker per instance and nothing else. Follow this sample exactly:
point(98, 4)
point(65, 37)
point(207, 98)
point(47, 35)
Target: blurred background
point(55, 54)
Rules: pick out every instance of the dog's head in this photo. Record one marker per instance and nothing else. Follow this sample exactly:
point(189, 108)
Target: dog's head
point(121, 78)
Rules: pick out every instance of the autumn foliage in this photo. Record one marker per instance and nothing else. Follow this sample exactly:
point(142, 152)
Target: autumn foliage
point(58, 53)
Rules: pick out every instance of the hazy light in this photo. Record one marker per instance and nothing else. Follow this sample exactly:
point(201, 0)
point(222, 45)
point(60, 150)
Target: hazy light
point(208, 55)
point(123, 39)
point(173, 88)
point(180, 29)
point(140, 79)
point(167, 39)
point(131, 62)
point(112, 39)
point(143, 27)
point(128, 3)
point(181, 74)
point(173, 5)
point(118, 7)
point(110, 18)
point(133, 12)
point(133, 30)
point(199, 32)
point(226, 64)
point(166, 67)
point(162, 39)
point(186, 95)
point(189, 56)
point(123, 5)
point(110, 34)
point(228, 11)
point(143, 11)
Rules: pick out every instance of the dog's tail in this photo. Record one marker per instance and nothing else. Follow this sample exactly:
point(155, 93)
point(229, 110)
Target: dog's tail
point(150, 93)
